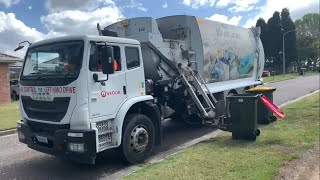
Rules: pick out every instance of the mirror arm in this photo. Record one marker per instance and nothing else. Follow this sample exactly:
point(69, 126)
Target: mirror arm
point(103, 82)
point(105, 79)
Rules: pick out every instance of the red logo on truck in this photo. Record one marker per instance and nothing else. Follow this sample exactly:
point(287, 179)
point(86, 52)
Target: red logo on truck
point(110, 93)
point(103, 94)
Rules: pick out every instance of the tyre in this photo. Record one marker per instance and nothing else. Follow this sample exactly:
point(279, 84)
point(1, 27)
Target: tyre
point(138, 138)
point(257, 132)
point(14, 96)
point(273, 119)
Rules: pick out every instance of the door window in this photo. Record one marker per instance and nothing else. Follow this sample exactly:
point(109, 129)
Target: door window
point(96, 56)
point(132, 57)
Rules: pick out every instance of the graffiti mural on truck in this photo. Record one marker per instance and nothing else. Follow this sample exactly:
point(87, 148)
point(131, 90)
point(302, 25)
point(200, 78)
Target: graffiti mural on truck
point(227, 65)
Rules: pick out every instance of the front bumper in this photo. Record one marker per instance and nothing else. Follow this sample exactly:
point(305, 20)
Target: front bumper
point(58, 142)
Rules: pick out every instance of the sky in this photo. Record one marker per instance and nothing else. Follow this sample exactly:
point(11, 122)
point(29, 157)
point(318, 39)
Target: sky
point(34, 20)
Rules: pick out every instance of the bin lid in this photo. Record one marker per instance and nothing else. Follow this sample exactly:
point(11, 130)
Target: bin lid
point(236, 96)
point(261, 89)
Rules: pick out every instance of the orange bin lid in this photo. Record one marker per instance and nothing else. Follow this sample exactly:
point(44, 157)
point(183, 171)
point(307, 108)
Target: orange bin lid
point(260, 89)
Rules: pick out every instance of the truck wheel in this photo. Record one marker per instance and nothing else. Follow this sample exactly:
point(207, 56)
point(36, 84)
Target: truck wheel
point(138, 138)
point(14, 96)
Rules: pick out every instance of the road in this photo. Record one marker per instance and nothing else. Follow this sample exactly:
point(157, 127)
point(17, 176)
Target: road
point(19, 162)
point(291, 89)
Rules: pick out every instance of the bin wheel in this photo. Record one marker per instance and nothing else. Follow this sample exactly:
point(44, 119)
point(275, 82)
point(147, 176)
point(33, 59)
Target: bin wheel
point(273, 119)
point(257, 132)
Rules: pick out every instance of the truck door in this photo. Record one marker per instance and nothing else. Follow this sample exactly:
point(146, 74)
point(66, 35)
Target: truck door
point(105, 99)
point(135, 72)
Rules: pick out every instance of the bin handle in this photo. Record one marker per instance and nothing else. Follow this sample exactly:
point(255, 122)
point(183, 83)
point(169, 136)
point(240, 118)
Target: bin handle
point(275, 109)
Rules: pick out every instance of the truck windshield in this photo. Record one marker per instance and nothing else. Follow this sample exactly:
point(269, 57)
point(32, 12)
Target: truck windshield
point(54, 60)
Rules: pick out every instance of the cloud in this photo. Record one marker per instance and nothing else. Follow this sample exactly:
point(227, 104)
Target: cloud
point(13, 31)
point(198, 3)
point(297, 9)
point(237, 5)
point(30, 7)
point(165, 5)
point(141, 8)
point(223, 3)
point(88, 5)
point(59, 23)
point(187, 2)
point(240, 8)
point(133, 4)
point(224, 19)
point(80, 22)
point(8, 3)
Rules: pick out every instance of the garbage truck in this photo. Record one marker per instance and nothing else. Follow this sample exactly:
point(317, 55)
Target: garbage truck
point(81, 95)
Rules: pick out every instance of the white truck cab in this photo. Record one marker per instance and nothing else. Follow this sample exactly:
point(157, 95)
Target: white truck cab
point(74, 101)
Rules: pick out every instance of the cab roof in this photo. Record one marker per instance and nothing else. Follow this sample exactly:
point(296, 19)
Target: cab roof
point(87, 38)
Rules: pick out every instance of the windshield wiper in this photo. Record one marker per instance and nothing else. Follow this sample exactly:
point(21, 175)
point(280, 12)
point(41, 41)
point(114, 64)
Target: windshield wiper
point(65, 77)
point(34, 73)
point(43, 75)
point(30, 75)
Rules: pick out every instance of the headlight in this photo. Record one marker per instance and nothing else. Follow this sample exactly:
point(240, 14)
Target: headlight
point(76, 147)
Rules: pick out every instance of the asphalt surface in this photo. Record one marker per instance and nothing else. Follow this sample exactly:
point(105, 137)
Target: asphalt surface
point(19, 162)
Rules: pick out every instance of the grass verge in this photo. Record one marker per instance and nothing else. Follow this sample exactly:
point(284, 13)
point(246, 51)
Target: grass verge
point(277, 78)
point(224, 158)
point(9, 115)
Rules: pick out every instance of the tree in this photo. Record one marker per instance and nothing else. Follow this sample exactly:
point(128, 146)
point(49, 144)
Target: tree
point(290, 38)
point(264, 35)
point(306, 51)
point(275, 38)
point(308, 25)
point(265, 40)
point(308, 42)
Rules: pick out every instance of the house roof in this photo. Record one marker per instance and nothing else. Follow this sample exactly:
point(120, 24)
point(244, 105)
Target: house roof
point(5, 58)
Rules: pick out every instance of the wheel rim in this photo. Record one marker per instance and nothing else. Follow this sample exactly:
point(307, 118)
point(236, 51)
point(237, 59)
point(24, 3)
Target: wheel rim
point(139, 139)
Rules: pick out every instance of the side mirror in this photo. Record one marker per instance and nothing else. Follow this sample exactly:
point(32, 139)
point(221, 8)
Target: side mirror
point(108, 61)
point(18, 48)
point(96, 79)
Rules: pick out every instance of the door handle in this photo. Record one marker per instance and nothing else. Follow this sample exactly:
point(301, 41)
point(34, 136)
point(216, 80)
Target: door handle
point(94, 99)
point(124, 90)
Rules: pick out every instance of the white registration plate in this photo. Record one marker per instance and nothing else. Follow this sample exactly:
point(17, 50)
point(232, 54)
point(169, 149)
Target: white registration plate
point(42, 139)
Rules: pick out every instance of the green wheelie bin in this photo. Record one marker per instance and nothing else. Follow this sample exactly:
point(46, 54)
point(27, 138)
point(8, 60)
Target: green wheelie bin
point(243, 116)
point(265, 116)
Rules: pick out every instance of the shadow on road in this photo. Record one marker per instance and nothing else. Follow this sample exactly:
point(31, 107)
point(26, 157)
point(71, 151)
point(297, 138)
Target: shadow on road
point(42, 166)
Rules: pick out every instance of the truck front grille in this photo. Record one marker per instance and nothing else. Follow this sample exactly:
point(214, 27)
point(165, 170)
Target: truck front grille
point(47, 129)
point(46, 110)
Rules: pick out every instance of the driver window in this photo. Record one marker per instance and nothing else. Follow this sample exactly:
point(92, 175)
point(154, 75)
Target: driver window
point(96, 56)
point(132, 56)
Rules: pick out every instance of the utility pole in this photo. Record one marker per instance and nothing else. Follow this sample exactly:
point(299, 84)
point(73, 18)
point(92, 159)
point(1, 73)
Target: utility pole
point(283, 52)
